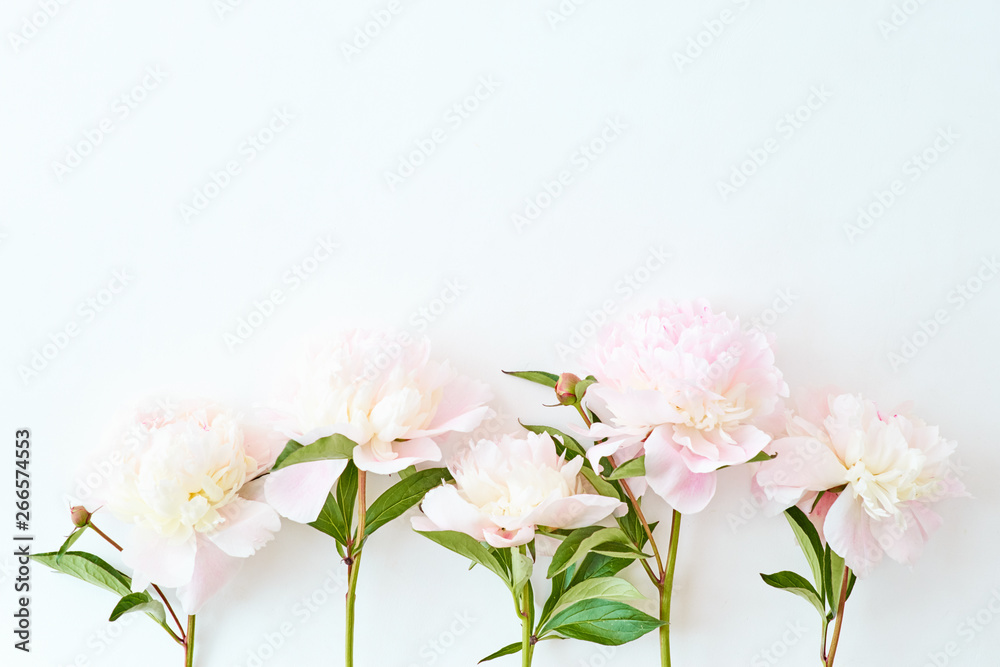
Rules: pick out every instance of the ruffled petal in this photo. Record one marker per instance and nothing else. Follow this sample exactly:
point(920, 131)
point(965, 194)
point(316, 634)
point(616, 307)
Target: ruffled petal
point(408, 453)
point(670, 478)
point(848, 532)
point(576, 511)
point(445, 509)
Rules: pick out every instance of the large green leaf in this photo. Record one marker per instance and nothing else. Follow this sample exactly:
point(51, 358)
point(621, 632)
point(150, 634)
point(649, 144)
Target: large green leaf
point(602, 487)
point(601, 621)
point(597, 565)
point(335, 446)
point(798, 585)
point(401, 496)
point(538, 377)
point(604, 588)
point(87, 567)
point(632, 468)
point(467, 546)
point(609, 541)
point(809, 542)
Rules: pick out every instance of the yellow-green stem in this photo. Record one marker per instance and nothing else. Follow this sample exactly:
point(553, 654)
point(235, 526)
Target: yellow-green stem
point(189, 643)
point(840, 617)
point(667, 589)
point(353, 565)
point(527, 648)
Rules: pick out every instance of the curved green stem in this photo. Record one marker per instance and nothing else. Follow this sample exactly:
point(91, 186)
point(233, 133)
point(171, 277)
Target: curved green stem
point(353, 566)
point(189, 644)
point(667, 589)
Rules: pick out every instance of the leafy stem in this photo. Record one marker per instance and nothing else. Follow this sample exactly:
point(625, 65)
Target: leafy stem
point(353, 561)
point(844, 585)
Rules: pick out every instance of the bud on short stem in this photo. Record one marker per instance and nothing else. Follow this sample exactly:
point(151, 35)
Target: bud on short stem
point(79, 515)
point(566, 389)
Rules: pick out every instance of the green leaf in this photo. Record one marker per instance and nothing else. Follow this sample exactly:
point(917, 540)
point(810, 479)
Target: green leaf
point(143, 602)
point(401, 496)
point(71, 540)
point(509, 649)
point(603, 488)
point(604, 588)
point(598, 565)
point(581, 387)
point(850, 586)
point(633, 468)
point(809, 542)
point(87, 567)
point(602, 621)
point(564, 443)
point(797, 584)
point(467, 546)
point(559, 583)
point(331, 521)
point(608, 541)
point(521, 566)
point(335, 446)
point(406, 472)
point(761, 457)
point(346, 495)
point(538, 377)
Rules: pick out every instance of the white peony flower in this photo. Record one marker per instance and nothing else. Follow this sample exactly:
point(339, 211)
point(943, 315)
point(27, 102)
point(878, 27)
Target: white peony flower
point(504, 489)
point(183, 476)
point(880, 474)
point(381, 391)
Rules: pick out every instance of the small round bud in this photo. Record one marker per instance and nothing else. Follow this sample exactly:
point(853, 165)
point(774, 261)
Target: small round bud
point(80, 516)
point(566, 389)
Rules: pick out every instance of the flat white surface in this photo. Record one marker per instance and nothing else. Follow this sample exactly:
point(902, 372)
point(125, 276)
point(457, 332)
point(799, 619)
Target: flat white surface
point(880, 97)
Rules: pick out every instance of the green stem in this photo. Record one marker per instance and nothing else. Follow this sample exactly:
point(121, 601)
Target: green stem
point(189, 644)
point(840, 616)
point(666, 590)
point(353, 566)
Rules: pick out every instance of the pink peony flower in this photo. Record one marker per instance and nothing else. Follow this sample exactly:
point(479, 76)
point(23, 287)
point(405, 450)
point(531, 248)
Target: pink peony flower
point(506, 488)
point(688, 388)
point(384, 393)
point(184, 477)
point(881, 474)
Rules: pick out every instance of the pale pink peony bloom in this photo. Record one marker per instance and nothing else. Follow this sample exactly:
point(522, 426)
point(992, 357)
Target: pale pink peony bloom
point(381, 391)
point(691, 390)
point(885, 470)
point(504, 489)
point(183, 475)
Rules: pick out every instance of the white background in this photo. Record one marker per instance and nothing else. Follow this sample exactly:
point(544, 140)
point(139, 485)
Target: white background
point(888, 91)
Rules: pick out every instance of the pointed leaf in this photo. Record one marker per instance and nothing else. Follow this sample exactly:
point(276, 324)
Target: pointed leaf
point(509, 649)
point(143, 602)
point(335, 446)
point(604, 588)
point(521, 569)
point(797, 584)
point(87, 567)
point(467, 546)
point(538, 377)
point(564, 443)
point(602, 622)
point(401, 496)
point(808, 539)
point(71, 540)
point(633, 468)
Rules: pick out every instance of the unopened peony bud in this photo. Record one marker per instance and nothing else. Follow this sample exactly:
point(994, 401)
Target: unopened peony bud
point(566, 389)
point(80, 516)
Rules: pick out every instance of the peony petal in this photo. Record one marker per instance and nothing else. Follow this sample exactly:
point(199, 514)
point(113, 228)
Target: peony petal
point(299, 491)
point(501, 539)
point(248, 527)
point(848, 532)
point(166, 562)
point(905, 543)
point(461, 408)
point(408, 453)
point(445, 509)
point(686, 491)
point(213, 569)
point(576, 511)
point(802, 464)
